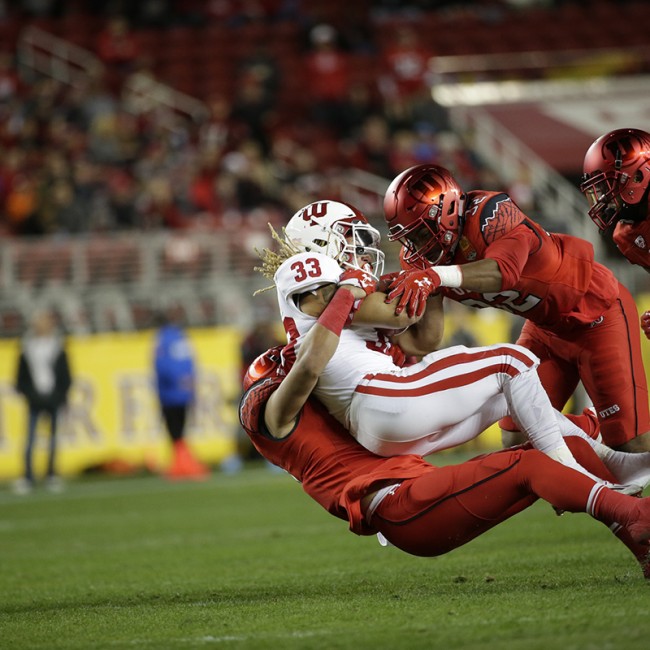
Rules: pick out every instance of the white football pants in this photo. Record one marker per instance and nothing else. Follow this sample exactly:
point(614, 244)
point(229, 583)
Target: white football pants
point(450, 397)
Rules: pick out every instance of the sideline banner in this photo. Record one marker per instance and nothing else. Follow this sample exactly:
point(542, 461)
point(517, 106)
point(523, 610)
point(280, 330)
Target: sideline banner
point(113, 414)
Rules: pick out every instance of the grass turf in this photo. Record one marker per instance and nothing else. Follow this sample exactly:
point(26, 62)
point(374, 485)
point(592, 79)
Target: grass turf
point(248, 561)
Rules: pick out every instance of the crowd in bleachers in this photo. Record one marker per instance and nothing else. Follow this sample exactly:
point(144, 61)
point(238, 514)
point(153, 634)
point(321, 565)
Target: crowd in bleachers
point(75, 159)
point(295, 93)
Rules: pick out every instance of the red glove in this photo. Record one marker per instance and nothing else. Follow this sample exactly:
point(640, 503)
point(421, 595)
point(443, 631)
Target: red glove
point(633, 240)
point(413, 287)
point(645, 323)
point(358, 278)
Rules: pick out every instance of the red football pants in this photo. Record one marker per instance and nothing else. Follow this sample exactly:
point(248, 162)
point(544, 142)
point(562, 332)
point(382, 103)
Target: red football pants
point(444, 509)
point(607, 358)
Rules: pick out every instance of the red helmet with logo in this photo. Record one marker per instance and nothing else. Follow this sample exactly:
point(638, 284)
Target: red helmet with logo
point(424, 209)
point(616, 174)
point(267, 364)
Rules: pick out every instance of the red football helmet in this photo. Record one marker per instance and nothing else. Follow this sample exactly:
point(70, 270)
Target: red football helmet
point(267, 364)
point(616, 174)
point(424, 209)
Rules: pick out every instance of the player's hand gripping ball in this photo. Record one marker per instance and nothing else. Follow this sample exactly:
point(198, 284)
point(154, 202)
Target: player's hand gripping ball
point(360, 279)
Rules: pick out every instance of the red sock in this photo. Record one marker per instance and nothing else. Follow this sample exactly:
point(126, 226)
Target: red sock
point(607, 505)
point(587, 421)
point(569, 490)
point(586, 456)
point(612, 507)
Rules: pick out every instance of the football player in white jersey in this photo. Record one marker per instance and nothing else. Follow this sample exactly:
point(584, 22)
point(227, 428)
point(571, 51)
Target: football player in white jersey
point(447, 398)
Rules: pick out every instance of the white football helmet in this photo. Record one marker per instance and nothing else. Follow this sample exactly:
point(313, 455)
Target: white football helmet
point(339, 231)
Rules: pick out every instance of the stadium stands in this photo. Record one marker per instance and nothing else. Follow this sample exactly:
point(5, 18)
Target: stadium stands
point(192, 194)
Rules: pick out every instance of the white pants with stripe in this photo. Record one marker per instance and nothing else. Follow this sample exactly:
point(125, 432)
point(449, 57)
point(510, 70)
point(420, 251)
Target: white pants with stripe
point(449, 398)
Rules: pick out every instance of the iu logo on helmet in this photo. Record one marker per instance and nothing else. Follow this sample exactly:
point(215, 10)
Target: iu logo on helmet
point(314, 211)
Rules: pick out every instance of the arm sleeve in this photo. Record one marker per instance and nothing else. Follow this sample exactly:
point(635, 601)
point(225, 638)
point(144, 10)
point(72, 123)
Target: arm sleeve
point(511, 252)
point(633, 240)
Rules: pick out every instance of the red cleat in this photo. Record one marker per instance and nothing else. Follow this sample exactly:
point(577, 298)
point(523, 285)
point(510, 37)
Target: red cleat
point(639, 526)
point(185, 467)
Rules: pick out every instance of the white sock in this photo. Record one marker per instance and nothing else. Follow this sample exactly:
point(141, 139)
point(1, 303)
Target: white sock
point(629, 469)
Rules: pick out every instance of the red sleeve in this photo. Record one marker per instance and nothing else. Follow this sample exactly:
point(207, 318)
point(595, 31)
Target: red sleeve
point(511, 252)
point(633, 240)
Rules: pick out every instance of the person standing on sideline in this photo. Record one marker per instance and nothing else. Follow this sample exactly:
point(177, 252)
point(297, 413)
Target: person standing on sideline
point(43, 377)
point(175, 386)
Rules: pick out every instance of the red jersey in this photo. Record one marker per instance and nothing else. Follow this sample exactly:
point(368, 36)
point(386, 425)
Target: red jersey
point(550, 279)
point(334, 469)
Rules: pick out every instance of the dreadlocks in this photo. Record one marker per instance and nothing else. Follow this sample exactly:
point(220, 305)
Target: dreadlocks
point(272, 260)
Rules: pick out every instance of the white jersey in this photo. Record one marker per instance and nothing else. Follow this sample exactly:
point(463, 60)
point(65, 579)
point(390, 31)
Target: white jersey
point(361, 350)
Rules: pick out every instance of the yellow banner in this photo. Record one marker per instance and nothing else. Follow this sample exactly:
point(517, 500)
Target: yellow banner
point(113, 414)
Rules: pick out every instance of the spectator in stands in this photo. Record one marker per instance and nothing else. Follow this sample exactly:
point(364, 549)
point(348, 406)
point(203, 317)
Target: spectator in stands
point(326, 77)
point(263, 67)
point(253, 110)
point(405, 83)
point(60, 211)
point(362, 102)
point(158, 206)
point(404, 149)
point(43, 377)
point(175, 374)
point(88, 180)
point(153, 13)
point(118, 48)
point(9, 81)
point(255, 185)
point(405, 62)
point(121, 200)
point(21, 206)
point(216, 133)
point(372, 149)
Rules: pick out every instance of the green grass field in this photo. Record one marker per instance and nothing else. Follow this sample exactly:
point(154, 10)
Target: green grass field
point(248, 561)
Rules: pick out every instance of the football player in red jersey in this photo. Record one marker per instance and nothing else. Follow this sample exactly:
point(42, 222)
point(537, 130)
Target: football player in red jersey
point(422, 509)
point(481, 250)
point(616, 183)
